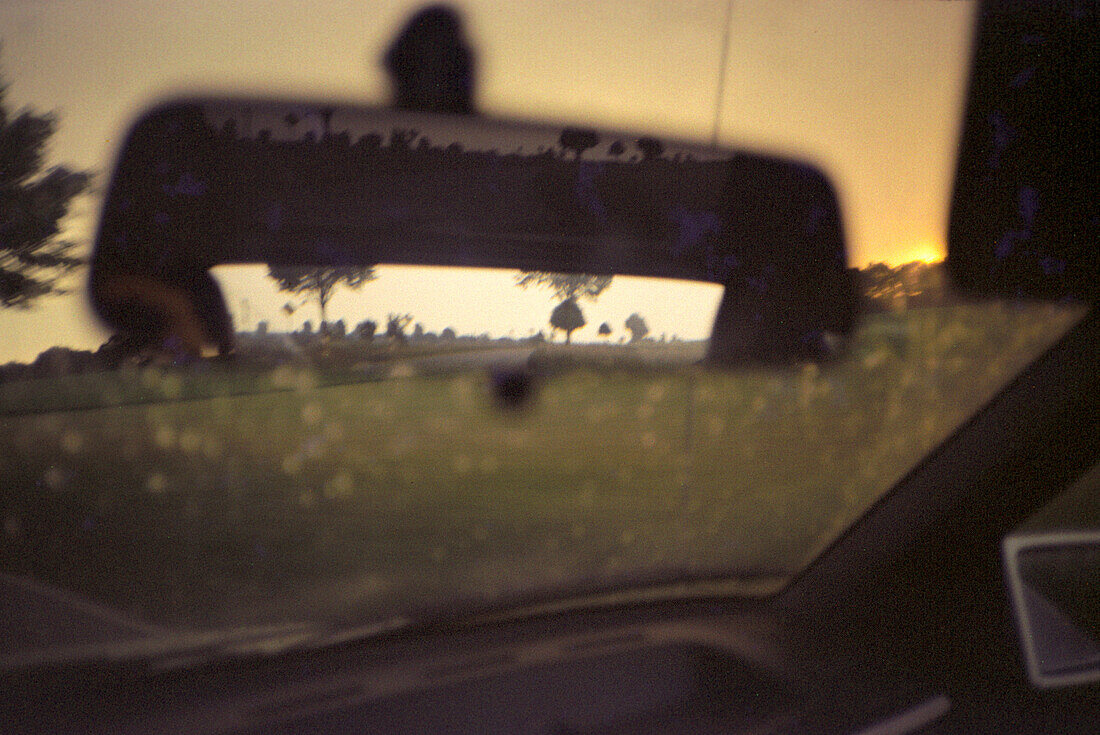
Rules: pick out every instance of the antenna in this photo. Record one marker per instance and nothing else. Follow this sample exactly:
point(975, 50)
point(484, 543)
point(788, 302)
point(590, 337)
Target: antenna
point(722, 71)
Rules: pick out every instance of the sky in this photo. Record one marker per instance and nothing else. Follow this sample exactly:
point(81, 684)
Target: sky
point(870, 91)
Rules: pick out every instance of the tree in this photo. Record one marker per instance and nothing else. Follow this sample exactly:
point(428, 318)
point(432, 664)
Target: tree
point(366, 330)
point(578, 140)
point(566, 286)
point(616, 149)
point(396, 325)
point(319, 282)
point(33, 202)
point(401, 139)
point(604, 330)
point(369, 142)
point(637, 327)
point(339, 329)
point(651, 148)
point(568, 317)
point(448, 334)
point(326, 114)
point(884, 287)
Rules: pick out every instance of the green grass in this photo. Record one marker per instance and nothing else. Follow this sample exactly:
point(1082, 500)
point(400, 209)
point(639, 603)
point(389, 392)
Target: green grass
point(391, 494)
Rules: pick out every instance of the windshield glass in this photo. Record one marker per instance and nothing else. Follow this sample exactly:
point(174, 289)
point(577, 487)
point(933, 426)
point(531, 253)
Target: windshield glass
point(374, 449)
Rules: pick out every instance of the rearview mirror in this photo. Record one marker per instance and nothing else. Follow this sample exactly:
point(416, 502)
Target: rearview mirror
point(201, 183)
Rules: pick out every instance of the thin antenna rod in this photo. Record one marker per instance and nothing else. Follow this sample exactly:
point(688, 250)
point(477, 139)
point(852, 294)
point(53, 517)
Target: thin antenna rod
point(722, 71)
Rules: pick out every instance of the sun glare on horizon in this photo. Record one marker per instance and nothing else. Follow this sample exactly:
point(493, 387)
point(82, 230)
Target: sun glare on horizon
point(927, 250)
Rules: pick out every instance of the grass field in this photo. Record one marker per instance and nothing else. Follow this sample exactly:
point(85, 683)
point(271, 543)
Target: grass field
point(285, 494)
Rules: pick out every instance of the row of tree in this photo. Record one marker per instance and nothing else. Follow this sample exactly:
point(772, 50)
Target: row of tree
point(567, 317)
point(575, 140)
point(882, 287)
point(891, 288)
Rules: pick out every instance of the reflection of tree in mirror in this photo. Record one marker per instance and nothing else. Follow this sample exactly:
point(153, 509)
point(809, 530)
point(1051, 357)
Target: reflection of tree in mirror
point(401, 139)
point(651, 148)
point(319, 282)
point(637, 327)
point(568, 317)
point(578, 140)
point(369, 142)
point(32, 202)
point(566, 286)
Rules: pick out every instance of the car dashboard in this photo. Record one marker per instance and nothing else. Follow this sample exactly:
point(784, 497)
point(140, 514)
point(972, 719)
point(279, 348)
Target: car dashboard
point(693, 668)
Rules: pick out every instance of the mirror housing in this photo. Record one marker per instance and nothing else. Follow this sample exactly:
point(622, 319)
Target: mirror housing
point(207, 182)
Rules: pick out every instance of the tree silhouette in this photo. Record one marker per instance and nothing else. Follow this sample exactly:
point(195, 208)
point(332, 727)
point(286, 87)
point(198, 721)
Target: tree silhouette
point(401, 139)
point(637, 327)
point(319, 282)
point(396, 325)
point(33, 202)
point(326, 114)
point(604, 330)
point(369, 142)
point(366, 329)
point(616, 149)
point(578, 140)
point(566, 286)
point(884, 287)
point(650, 147)
point(568, 317)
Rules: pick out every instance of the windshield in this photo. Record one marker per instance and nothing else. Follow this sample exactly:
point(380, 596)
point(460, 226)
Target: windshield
point(370, 452)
